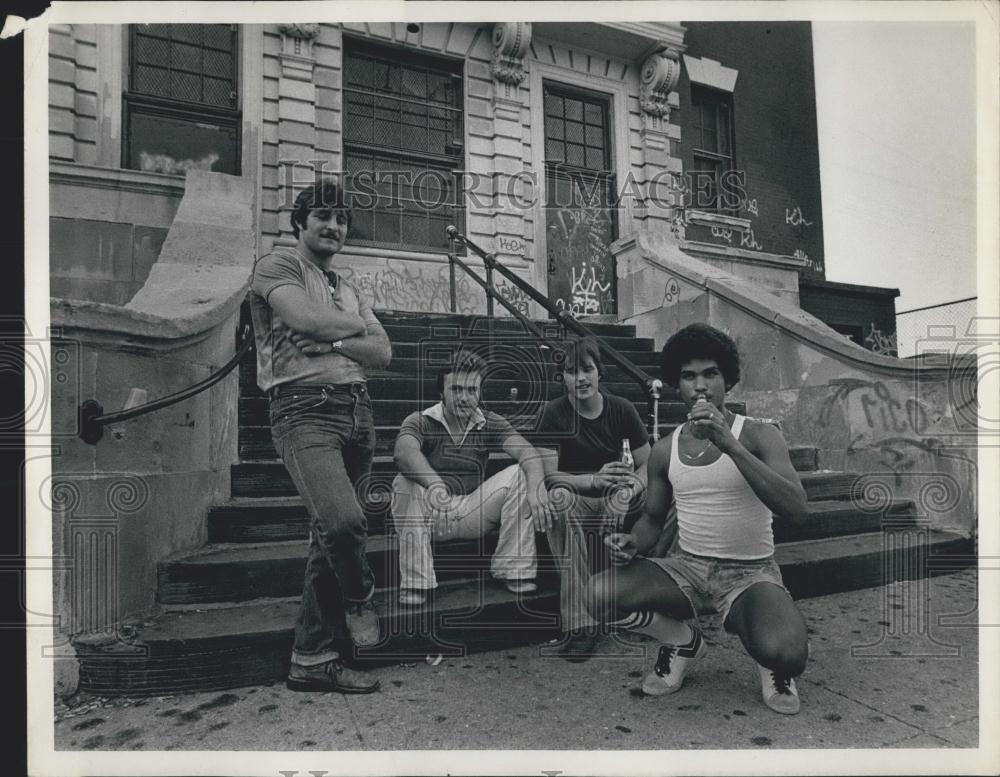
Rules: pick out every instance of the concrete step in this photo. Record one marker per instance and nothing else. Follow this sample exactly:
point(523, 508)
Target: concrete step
point(242, 570)
point(218, 648)
point(239, 573)
point(272, 519)
point(804, 458)
point(403, 386)
point(213, 648)
point(391, 412)
point(255, 441)
point(269, 478)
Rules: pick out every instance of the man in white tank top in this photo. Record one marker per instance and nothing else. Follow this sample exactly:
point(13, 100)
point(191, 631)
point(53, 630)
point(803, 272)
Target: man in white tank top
point(727, 475)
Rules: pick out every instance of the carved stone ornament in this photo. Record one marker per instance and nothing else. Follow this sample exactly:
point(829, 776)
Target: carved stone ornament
point(658, 78)
point(297, 39)
point(510, 44)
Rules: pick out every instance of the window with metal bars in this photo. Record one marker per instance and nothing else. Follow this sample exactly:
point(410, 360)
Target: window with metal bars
point(403, 146)
point(180, 106)
point(712, 148)
point(578, 148)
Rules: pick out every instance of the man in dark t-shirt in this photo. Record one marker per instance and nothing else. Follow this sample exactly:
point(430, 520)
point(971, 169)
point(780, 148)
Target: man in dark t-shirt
point(581, 437)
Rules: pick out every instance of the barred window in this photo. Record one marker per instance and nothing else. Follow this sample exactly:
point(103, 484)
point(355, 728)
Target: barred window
point(403, 146)
point(180, 107)
point(712, 146)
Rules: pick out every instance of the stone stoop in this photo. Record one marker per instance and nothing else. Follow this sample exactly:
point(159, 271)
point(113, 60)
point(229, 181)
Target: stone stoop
point(226, 611)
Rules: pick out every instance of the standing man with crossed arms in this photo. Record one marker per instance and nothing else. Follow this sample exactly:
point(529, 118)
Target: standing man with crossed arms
point(316, 339)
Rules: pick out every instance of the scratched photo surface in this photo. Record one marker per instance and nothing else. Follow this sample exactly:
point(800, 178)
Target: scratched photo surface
point(817, 189)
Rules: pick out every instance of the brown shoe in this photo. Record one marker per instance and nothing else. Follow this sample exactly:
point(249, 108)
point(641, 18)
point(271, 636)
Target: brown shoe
point(331, 676)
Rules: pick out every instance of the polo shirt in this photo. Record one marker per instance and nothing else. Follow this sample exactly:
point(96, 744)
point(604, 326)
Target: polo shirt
point(461, 464)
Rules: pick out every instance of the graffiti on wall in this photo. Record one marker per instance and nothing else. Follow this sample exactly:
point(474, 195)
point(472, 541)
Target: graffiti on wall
point(586, 290)
point(723, 232)
point(877, 342)
point(896, 429)
point(513, 295)
point(409, 286)
point(671, 291)
point(795, 217)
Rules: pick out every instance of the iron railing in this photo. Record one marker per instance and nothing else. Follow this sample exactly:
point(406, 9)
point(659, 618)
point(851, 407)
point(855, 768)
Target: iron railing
point(650, 385)
point(93, 419)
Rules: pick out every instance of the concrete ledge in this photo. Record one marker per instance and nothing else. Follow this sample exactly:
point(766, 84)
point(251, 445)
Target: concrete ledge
point(198, 282)
point(658, 250)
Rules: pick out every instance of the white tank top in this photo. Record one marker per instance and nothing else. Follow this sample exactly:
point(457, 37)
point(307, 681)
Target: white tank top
point(718, 514)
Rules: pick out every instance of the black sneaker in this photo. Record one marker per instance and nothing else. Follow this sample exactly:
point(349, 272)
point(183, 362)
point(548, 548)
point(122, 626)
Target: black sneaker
point(362, 622)
point(331, 676)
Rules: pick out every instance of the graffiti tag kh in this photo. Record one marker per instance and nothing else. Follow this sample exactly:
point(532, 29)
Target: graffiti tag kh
point(586, 291)
point(795, 218)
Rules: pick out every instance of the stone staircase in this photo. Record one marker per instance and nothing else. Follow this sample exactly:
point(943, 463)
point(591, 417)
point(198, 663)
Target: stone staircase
point(226, 610)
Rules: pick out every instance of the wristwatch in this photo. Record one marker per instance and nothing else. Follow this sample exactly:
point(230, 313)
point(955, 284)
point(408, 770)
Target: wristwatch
point(336, 344)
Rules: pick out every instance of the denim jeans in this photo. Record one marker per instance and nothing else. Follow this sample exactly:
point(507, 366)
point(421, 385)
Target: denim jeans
point(326, 440)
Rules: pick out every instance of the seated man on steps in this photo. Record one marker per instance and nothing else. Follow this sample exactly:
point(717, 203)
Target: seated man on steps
point(727, 475)
point(442, 491)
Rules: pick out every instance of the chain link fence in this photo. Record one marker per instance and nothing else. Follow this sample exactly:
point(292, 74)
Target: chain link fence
point(934, 327)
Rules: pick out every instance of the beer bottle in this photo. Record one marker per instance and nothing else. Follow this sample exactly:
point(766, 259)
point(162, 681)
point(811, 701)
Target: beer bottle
point(627, 454)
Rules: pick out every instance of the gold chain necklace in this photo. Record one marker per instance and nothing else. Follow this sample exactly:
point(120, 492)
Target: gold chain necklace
point(701, 453)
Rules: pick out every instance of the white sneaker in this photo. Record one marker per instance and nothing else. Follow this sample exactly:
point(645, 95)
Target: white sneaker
point(779, 693)
point(672, 664)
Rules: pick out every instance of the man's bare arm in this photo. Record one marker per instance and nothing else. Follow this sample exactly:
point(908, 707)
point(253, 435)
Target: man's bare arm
point(770, 473)
point(319, 322)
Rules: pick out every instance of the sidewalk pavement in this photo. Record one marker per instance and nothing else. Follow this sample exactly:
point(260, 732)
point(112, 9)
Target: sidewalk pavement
point(889, 667)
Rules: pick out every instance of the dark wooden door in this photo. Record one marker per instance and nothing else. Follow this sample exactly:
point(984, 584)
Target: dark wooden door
point(580, 212)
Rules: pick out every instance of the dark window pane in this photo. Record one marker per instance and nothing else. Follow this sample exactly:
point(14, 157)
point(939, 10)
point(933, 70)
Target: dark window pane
point(218, 63)
point(169, 145)
point(361, 225)
point(594, 114)
point(595, 136)
point(189, 33)
point(553, 105)
point(574, 132)
point(358, 72)
point(555, 129)
point(152, 51)
point(184, 86)
point(414, 84)
point(595, 159)
point(554, 151)
point(219, 36)
point(218, 92)
point(386, 226)
point(151, 80)
point(574, 109)
point(574, 154)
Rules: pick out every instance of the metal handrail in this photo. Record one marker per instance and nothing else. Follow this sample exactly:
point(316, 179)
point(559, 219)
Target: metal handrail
point(652, 386)
point(91, 412)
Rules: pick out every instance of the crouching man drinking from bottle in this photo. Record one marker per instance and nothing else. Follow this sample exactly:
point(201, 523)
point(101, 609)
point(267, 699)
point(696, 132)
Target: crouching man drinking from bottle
point(728, 475)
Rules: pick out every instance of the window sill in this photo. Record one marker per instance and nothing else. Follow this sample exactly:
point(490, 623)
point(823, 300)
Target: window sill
point(75, 174)
point(707, 219)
